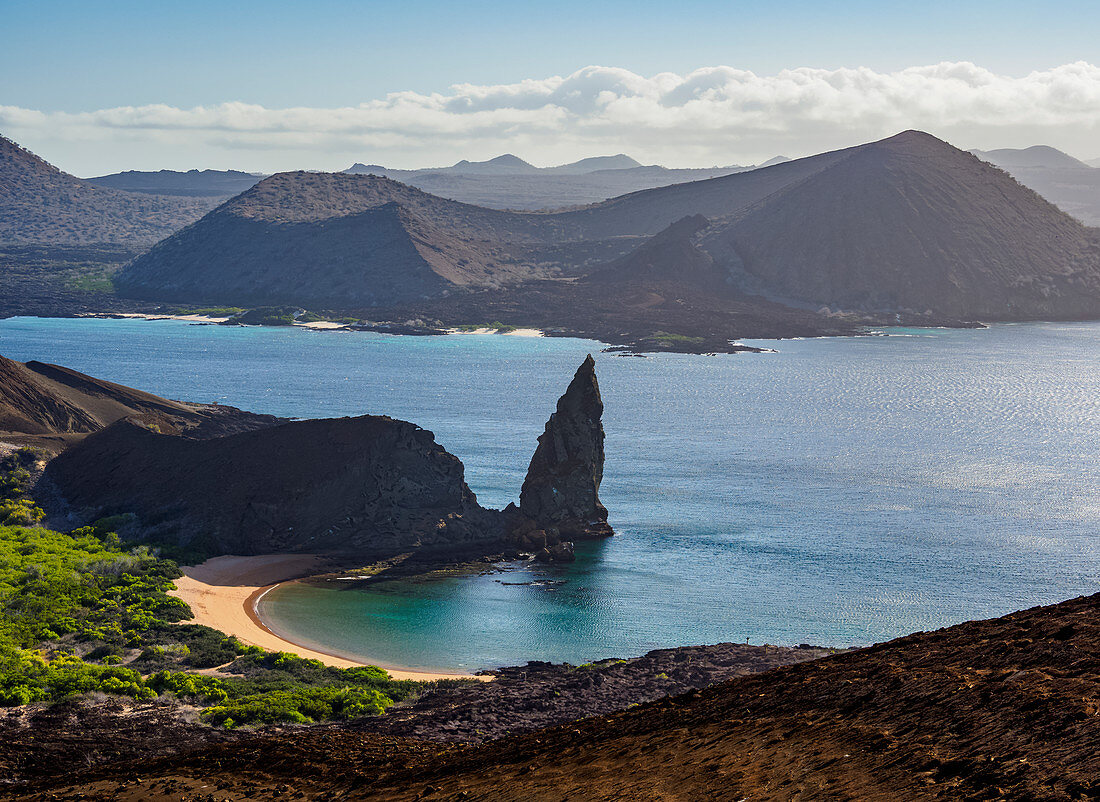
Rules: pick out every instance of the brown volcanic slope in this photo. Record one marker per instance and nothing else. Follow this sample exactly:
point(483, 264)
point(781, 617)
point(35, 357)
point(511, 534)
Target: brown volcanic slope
point(321, 238)
point(907, 225)
point(354, 241)
point(38, 400)
point(41, 205)
point(1002, 709)
point(913, 224)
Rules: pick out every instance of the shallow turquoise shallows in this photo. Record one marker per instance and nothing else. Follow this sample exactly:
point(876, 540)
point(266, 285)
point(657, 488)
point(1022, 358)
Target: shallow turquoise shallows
point(841, 491)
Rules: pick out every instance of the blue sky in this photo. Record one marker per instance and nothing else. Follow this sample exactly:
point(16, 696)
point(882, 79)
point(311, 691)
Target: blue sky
point(86, 56)
point(83, 55)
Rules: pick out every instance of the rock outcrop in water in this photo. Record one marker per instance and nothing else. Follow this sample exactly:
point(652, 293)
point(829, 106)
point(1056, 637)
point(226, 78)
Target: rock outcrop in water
point(369, 486)
point(563, 481)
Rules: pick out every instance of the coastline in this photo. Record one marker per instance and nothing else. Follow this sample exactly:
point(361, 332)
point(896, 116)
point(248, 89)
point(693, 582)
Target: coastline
point(223, 591)
point(316, 325)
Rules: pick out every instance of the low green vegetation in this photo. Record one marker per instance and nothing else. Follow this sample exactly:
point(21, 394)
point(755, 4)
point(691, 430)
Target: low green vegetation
point(271, 687)
point(267, 316)
point(16, 508)
point(97, 281)
point(670, 339)
point(497, 326)
point(207, 311)
point(80, 613)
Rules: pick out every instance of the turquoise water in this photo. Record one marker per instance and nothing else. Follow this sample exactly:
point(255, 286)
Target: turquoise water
point(841, 491)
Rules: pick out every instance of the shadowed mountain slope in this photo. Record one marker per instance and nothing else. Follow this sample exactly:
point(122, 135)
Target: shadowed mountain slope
point(41, 205)
point(911, 224)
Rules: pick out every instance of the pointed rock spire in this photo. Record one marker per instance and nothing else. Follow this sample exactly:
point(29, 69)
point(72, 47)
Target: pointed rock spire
point(563, 482)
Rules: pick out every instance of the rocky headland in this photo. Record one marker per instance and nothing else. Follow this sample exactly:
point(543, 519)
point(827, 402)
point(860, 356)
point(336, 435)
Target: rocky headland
point(217, 480)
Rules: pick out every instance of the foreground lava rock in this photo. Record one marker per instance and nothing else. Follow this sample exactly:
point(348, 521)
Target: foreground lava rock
point(563, 482)
point(1000, 709)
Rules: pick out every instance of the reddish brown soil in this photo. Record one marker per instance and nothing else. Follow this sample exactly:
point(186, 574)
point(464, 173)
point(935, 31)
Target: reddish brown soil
point(1001, 709)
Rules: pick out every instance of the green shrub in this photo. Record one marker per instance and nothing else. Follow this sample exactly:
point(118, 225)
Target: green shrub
point(299, 706)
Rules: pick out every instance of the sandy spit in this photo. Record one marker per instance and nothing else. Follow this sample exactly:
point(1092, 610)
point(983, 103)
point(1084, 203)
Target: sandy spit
point(512, 333)
point(190, 318)
point(222, 593)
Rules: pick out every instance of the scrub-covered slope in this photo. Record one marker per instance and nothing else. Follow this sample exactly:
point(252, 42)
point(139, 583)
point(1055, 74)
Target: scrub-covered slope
point(41, 205)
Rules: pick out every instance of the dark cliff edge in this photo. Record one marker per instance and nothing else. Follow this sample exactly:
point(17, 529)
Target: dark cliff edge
point(366, 488)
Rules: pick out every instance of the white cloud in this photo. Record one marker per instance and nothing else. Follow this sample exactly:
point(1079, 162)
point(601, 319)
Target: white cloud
point(714, 115)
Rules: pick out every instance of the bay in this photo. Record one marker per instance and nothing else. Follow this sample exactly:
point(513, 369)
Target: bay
point(838, 492)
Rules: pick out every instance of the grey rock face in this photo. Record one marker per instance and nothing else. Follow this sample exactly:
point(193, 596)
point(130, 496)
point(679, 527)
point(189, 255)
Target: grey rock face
point(563, 481)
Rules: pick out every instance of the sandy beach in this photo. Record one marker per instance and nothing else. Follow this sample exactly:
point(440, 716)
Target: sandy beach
point(222, 593)
point(512, 333)
point(322, 325)
point(190, 318)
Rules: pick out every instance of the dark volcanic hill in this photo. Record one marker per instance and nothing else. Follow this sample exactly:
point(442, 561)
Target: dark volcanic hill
point(356, 241)
point(911, 224)
point(41, 205)
point(337, 240)
point(370, 486)
point(220, 184)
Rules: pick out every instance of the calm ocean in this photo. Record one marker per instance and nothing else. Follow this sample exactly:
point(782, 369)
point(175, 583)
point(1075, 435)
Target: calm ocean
point(841, 491)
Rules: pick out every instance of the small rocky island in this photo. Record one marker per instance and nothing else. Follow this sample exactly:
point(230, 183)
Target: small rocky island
point(364, 488)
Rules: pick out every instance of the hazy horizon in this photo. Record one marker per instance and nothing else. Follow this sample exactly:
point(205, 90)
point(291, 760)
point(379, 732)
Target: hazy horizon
point(268, 87)
point(712, 117)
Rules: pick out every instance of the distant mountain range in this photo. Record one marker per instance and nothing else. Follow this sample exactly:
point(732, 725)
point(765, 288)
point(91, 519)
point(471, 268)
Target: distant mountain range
point(41, 205)
point(1070, 184)
point(508, 182)
point(193, 183)
point(908, 226)
point(908, 229)
point(504, 182)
